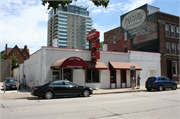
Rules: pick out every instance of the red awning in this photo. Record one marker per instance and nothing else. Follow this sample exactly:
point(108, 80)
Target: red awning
point(123, 65)
point(71, 62)
point(96, 65)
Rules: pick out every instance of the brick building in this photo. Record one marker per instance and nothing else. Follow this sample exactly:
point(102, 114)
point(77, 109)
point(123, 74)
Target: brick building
point(20, 53)
point(159, 34)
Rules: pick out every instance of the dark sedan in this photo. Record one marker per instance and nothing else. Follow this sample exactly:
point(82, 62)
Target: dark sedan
point(160, 83)
point(60, 88)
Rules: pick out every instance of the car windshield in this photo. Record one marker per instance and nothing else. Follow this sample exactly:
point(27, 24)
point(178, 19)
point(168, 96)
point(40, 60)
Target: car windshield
point(151, 79)
point(10, 80)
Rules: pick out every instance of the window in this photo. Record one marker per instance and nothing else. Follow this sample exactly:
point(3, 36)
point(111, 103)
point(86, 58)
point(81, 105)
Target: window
point(174, 68)
point(57, 83)
point(178, 49)
point(167, 30)
point(125, 49)
point(177, 32)
point(72, 36)
point(72, 32)
point(24, 55)
point(92, 76)
point(173, 48)
point(172, 31)
point(114, 40)
point(113, 73)
point(72, 18)
point(125, 36)
point(72, 25)
point(72, 29)
point(168, 48)
point(72, 22)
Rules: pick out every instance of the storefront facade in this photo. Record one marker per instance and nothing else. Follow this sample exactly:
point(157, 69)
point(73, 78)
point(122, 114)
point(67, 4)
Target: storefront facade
point(112, 70)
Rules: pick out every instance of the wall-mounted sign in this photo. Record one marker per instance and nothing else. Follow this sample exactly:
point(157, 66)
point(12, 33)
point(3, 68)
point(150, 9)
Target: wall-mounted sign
point(138, 22)
point(133, 19)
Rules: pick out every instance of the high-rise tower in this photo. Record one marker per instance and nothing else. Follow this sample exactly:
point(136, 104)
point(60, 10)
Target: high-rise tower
point(68, 27)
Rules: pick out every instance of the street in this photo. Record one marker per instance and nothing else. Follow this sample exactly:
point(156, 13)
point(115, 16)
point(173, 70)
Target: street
point(131, 105)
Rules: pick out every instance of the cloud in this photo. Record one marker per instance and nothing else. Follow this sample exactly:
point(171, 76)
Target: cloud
point(103, 29)
point(133, 4)
point(23, 23)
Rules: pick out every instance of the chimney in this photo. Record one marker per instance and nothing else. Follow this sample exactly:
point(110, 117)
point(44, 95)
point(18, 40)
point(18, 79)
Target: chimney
point(25, 47)
point(5, 53)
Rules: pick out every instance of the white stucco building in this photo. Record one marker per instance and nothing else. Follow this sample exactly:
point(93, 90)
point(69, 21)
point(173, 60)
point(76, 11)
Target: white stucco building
point(111, 71)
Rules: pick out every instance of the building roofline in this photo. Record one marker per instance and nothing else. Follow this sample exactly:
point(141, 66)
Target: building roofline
point(167, 14)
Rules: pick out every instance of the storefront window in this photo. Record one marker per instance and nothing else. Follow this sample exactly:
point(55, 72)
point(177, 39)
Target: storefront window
point(113, 76)
point(55, 74)
point(67, 74)
point(92, 76)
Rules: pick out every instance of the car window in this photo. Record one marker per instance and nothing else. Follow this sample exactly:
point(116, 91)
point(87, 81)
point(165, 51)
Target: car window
point(161, 78)
point(69, 83)
point(57, 83)
point(167, 79)
point(151, 79)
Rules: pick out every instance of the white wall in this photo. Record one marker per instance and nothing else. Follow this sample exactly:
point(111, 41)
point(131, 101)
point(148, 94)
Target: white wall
point(37, 68)
point(147, 61)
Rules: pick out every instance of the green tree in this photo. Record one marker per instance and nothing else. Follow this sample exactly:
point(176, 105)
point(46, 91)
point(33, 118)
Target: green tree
point(101, 45)
point(55, 4)
point(15, 62)
point(2, 54)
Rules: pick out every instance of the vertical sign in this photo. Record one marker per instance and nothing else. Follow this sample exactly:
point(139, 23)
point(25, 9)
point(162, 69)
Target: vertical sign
point(93, 37)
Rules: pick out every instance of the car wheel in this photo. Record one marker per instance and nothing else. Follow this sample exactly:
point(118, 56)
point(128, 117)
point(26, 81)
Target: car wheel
point(148, 89)
point(160, 88)
point(48, 95)
point(86, 93)
point(174, 87)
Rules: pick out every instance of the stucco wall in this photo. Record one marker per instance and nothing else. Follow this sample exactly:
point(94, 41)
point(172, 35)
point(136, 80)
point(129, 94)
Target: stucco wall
point(148, 62)
point(37, 68)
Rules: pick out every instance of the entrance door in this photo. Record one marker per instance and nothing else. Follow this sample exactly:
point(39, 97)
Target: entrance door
point(123, 78)
point(169, 70)
point(113, 79)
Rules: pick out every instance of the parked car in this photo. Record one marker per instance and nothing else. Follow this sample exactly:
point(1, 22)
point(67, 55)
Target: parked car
point(160, 83)
point(60, 88)
point(11, 83)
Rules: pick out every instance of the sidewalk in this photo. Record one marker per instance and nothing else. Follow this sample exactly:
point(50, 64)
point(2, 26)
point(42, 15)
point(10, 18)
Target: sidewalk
point(25, 94)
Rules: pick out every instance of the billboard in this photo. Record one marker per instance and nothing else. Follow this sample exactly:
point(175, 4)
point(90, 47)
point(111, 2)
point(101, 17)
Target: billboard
point(138, 22)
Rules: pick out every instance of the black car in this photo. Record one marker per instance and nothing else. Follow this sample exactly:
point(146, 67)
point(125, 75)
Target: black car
point(60, 88)
point(11, 83)
point(160, 83)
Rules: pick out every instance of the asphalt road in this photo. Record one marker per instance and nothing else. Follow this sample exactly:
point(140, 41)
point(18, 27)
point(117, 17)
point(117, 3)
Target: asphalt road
point(132, 105)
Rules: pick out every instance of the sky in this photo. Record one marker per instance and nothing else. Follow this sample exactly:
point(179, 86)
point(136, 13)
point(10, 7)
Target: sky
point(24, 22)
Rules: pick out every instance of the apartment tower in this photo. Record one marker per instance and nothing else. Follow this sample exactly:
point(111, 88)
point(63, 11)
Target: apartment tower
point(68, 27)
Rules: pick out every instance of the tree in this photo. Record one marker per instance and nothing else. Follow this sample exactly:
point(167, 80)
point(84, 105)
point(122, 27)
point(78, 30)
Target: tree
point(55, 4)
point(2, 54)
point(101, 45)
point(15, 62)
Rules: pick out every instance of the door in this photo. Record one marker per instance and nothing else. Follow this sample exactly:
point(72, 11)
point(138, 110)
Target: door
point(169, 69)
point(113, 79)
point(59, 88)
point(163, 82)
point(72, 88)
point(169, 83)
point(123, 78)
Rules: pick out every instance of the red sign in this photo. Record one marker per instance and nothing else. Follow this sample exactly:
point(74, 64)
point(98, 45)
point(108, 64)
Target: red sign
point(95, 44)
point(92, 35)
point(95, 55)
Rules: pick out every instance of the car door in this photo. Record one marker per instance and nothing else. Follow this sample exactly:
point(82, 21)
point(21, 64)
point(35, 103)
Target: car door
point(72, 88)
point(59, 87)
point(163, 82)
point(169, 83)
